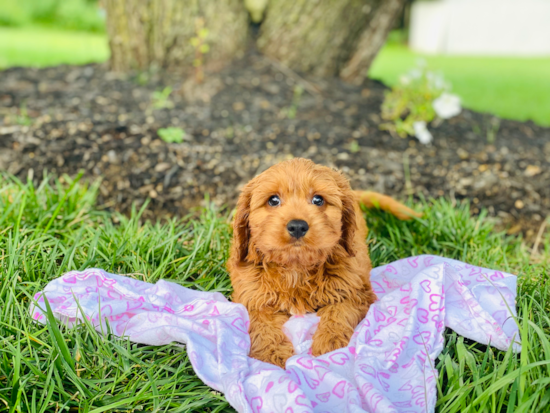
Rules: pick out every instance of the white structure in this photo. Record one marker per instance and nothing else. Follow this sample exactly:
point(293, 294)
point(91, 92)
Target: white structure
point(487, 27)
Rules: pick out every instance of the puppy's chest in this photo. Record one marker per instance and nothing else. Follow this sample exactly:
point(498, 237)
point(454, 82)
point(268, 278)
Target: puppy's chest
point(297, 301)
point(304, 293)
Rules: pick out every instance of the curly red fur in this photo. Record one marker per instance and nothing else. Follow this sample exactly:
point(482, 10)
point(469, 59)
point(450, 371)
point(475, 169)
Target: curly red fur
point(327, 271)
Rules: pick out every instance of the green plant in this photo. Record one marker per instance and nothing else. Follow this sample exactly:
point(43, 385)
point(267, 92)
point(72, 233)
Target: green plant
point(411, 100)
point(291, 111)
point(201, 48)
point(492, 129)
point(161, 98)
point(142, 78)
point(229, 132)
point(171, 135)
point(509, 87)
point(296, 96)
point(23, 118)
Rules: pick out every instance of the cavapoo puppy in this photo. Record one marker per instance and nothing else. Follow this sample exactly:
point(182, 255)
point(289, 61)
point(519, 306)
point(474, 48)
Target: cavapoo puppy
point(299, 247)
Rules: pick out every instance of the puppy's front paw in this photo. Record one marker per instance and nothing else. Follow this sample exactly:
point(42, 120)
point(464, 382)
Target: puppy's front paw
point(326, 340)
point(276, 354)
point(267, 341)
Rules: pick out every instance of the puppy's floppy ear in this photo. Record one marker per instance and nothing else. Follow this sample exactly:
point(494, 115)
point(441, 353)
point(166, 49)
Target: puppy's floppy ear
point(241, 228)
point(349, 219)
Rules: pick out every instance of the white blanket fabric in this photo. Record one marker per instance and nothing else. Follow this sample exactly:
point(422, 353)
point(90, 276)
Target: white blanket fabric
point(387, 367)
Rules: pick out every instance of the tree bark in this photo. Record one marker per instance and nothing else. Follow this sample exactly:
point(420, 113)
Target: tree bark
point(146, 33)
point(325, 37)
point(371, 41)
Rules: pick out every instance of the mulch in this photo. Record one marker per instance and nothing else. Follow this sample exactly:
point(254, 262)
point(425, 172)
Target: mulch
point(244, 119)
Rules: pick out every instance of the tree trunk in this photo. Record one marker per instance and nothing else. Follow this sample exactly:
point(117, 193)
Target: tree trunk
point(323, 37)
point(371, 41)
point(175, 33)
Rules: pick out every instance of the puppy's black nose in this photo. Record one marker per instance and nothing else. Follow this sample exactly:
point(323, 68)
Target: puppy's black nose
point(297, 228)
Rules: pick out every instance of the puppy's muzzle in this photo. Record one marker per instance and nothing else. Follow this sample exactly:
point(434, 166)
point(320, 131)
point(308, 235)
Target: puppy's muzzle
point(297, 228)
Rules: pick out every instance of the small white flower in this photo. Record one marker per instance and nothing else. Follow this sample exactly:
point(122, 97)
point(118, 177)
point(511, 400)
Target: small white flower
point(422, 133)
point(436, 81)
point(405, 80)
point(439, 82)
point(421, 62)
point(415, 74)
point(447, 105)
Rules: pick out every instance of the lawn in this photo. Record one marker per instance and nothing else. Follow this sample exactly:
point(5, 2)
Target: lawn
point(49, 229)
point(43, 46)
point(513, 88)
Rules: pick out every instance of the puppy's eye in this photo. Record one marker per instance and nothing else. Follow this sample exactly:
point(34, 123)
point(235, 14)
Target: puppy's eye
point(317, 200)
point(274, 201)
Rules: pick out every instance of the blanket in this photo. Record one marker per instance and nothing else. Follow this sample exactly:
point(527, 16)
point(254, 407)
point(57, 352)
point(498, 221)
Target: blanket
point(388, 366)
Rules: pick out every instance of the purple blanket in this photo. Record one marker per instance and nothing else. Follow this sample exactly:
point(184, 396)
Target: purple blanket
point(387, 367)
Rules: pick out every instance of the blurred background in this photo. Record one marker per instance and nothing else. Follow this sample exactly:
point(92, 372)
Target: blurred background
point(171, 100)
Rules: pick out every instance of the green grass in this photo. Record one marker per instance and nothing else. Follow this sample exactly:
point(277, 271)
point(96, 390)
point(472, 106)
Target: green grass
point(513, 88)
point(82, 15)
point(48, 230)
point(41, 46)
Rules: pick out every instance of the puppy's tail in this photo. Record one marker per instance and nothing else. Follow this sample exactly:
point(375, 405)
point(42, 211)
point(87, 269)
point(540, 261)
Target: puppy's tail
point(375, 200)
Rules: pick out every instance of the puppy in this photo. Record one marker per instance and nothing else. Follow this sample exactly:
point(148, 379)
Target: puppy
point(299, 247)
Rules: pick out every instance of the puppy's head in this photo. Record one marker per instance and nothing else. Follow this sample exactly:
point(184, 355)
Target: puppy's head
point(295, 213)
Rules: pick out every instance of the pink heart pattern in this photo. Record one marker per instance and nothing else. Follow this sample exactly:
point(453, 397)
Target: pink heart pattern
point(387, 366)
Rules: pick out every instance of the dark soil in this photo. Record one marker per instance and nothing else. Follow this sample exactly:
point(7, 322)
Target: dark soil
point(239, 122)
